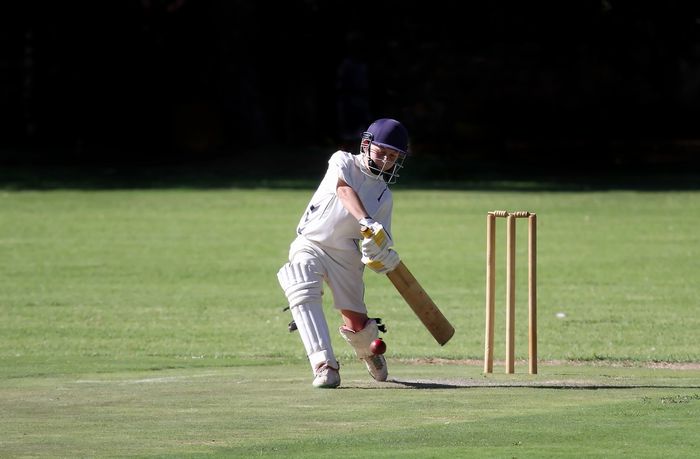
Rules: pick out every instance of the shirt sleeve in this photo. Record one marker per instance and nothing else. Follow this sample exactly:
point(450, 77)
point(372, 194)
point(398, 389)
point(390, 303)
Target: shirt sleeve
point(343, 164)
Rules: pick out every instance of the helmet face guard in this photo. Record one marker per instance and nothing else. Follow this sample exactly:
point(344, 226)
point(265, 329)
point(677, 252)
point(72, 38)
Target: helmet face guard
point(390, 174)
point(385, 133)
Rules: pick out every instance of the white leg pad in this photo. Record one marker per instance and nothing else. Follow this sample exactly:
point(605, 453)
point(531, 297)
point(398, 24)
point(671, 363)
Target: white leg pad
point(301, 282)
point(361, 340)
point(303, 286)
point(313, 330)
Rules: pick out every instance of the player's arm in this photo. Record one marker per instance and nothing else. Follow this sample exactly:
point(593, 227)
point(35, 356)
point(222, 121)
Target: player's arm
point(351, 201)
point(375, 247)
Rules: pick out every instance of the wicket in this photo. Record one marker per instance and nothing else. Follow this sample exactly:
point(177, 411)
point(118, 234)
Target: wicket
point(510, 288)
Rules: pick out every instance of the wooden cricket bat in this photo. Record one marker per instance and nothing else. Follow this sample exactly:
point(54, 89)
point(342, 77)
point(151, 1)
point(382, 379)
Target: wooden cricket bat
point(421, 303)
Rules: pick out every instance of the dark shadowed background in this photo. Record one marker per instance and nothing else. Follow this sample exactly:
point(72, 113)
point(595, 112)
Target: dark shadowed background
point(552, 86)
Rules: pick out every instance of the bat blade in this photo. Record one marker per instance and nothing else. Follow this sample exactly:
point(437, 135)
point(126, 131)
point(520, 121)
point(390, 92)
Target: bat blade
point(417, 298)
point(421, 303)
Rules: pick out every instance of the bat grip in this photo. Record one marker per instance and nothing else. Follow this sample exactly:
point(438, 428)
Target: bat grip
point(366, 231)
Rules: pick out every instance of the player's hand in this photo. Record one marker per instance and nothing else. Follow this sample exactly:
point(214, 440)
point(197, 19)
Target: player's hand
point(385, 262)
point(376, 249)
point(366, 221)
point(375, 241)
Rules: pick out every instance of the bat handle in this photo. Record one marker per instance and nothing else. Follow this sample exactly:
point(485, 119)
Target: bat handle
point(366, 231)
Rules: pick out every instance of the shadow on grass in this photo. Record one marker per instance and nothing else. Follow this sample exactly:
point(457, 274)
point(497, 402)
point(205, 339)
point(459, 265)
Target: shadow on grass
point(471, 384)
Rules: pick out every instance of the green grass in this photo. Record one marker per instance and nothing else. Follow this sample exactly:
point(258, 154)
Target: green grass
point(149, 323)
point(425, 411)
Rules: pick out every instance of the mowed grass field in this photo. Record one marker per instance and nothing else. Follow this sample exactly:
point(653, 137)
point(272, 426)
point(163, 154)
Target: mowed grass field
point(149, 322)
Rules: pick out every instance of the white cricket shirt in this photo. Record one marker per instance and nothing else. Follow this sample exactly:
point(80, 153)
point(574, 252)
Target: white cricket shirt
point(327, 222)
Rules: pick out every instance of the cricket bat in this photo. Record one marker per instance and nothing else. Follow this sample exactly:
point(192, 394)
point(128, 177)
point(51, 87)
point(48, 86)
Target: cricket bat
point(421, 303)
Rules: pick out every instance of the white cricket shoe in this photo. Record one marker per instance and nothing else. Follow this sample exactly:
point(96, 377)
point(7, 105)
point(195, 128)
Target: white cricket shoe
point(376, 365)
point(326, 377)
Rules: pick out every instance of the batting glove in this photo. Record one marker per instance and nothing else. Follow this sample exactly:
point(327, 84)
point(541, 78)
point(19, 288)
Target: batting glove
point(385, 262)
point(375, 242)
point(366, 221)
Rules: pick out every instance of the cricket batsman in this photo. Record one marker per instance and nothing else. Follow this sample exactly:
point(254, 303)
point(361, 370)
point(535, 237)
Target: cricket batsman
point(329, 248)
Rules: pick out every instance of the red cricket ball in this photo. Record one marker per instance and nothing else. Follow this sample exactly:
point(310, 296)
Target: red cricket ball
point(378, 346)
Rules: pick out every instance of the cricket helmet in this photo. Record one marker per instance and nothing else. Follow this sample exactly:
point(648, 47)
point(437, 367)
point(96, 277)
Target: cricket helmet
point(386, 133)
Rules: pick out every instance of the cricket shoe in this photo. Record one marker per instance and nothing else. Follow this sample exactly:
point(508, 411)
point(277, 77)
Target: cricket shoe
point(376, 365)
point(326, 377)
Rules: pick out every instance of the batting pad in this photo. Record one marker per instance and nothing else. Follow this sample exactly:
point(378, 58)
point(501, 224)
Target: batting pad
point(361, 340)
point(313, 330)
point(301, 283)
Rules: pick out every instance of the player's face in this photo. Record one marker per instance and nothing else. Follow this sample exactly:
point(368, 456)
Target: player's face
point(383, 157)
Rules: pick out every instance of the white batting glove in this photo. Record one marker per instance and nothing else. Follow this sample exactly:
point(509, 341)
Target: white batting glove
point(375, 241)
point(376, 249)
point(386, 262)
point(366, 221)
